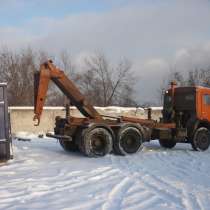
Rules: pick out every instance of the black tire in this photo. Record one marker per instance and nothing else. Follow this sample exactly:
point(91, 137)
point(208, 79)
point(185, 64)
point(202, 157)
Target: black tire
point(128, 141)
point(68, 146)
point(95, 142)
point(201, 139)
point(167, 143)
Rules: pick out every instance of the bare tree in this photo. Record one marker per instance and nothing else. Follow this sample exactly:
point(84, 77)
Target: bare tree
point(191, 78)
point(204, 76)
point(105, 84)
point(17, 69)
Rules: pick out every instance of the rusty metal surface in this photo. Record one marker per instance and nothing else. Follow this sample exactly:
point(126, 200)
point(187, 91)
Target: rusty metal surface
point(48, 72)
point(149, 123)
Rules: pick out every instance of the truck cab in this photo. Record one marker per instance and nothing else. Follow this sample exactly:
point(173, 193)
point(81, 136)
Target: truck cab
point(189, 108)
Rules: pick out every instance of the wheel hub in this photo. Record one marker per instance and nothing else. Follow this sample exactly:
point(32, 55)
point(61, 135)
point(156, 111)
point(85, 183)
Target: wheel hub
point(130, 143)
point(203, 142)
point(98, 143)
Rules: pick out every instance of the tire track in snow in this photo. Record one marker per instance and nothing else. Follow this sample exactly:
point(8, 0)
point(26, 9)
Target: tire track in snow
point(163, 193)
point(203, 200)
point(181, 165)
point(151, 183)
point(147, 181)
point(175, 165)
point(146, 204)
point(116, 195)
point(167, 190)
point(137, 198)
point(190, 201)
point(198, 201)
point(153, 179)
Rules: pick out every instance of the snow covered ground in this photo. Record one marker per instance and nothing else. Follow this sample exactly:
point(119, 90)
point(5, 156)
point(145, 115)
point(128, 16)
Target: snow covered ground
point(43, 176)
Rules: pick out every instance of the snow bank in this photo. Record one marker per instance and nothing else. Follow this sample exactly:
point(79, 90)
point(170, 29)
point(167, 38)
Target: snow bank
point(156, 108)
point(32, 108)
point(117, 108)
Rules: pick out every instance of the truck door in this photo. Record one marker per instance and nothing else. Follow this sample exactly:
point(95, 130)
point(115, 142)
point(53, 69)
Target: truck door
point(206, 106)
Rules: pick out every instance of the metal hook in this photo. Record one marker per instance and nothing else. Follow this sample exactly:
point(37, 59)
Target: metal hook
point(36, 118)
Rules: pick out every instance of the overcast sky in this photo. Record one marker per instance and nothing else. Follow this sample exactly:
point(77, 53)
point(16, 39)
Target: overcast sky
point(157, 36)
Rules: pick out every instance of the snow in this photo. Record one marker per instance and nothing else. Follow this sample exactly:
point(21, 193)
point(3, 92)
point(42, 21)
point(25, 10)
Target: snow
point(32, 108)
point(114, 108)
point(3, 84)
point(25, 135)
point(43, 176)
point(156, 108)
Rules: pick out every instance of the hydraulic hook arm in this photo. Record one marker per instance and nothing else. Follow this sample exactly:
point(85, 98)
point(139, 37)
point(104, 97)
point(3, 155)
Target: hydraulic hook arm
point(48, 72)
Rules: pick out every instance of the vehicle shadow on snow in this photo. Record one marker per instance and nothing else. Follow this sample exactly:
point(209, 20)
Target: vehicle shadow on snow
point(185, 147)
point(155, 146)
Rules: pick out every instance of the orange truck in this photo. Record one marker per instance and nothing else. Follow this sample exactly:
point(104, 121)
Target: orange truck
point(185, 119)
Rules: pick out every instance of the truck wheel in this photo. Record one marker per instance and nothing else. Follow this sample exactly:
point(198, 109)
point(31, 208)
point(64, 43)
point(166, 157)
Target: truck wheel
point(129, 140)
point(69, 146)
point(95, 142)
point(167, 143)
point(201, 139)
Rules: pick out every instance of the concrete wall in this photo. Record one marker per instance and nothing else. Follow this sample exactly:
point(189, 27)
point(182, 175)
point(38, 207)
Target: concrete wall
point(22, 117)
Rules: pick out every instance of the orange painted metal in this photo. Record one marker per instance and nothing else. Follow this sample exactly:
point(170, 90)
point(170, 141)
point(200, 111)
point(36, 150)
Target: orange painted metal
point(48, 72)
point(44, 80)
point(203, 103)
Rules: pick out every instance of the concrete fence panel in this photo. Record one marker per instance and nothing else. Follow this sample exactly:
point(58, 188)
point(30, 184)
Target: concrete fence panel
point(22, 117)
